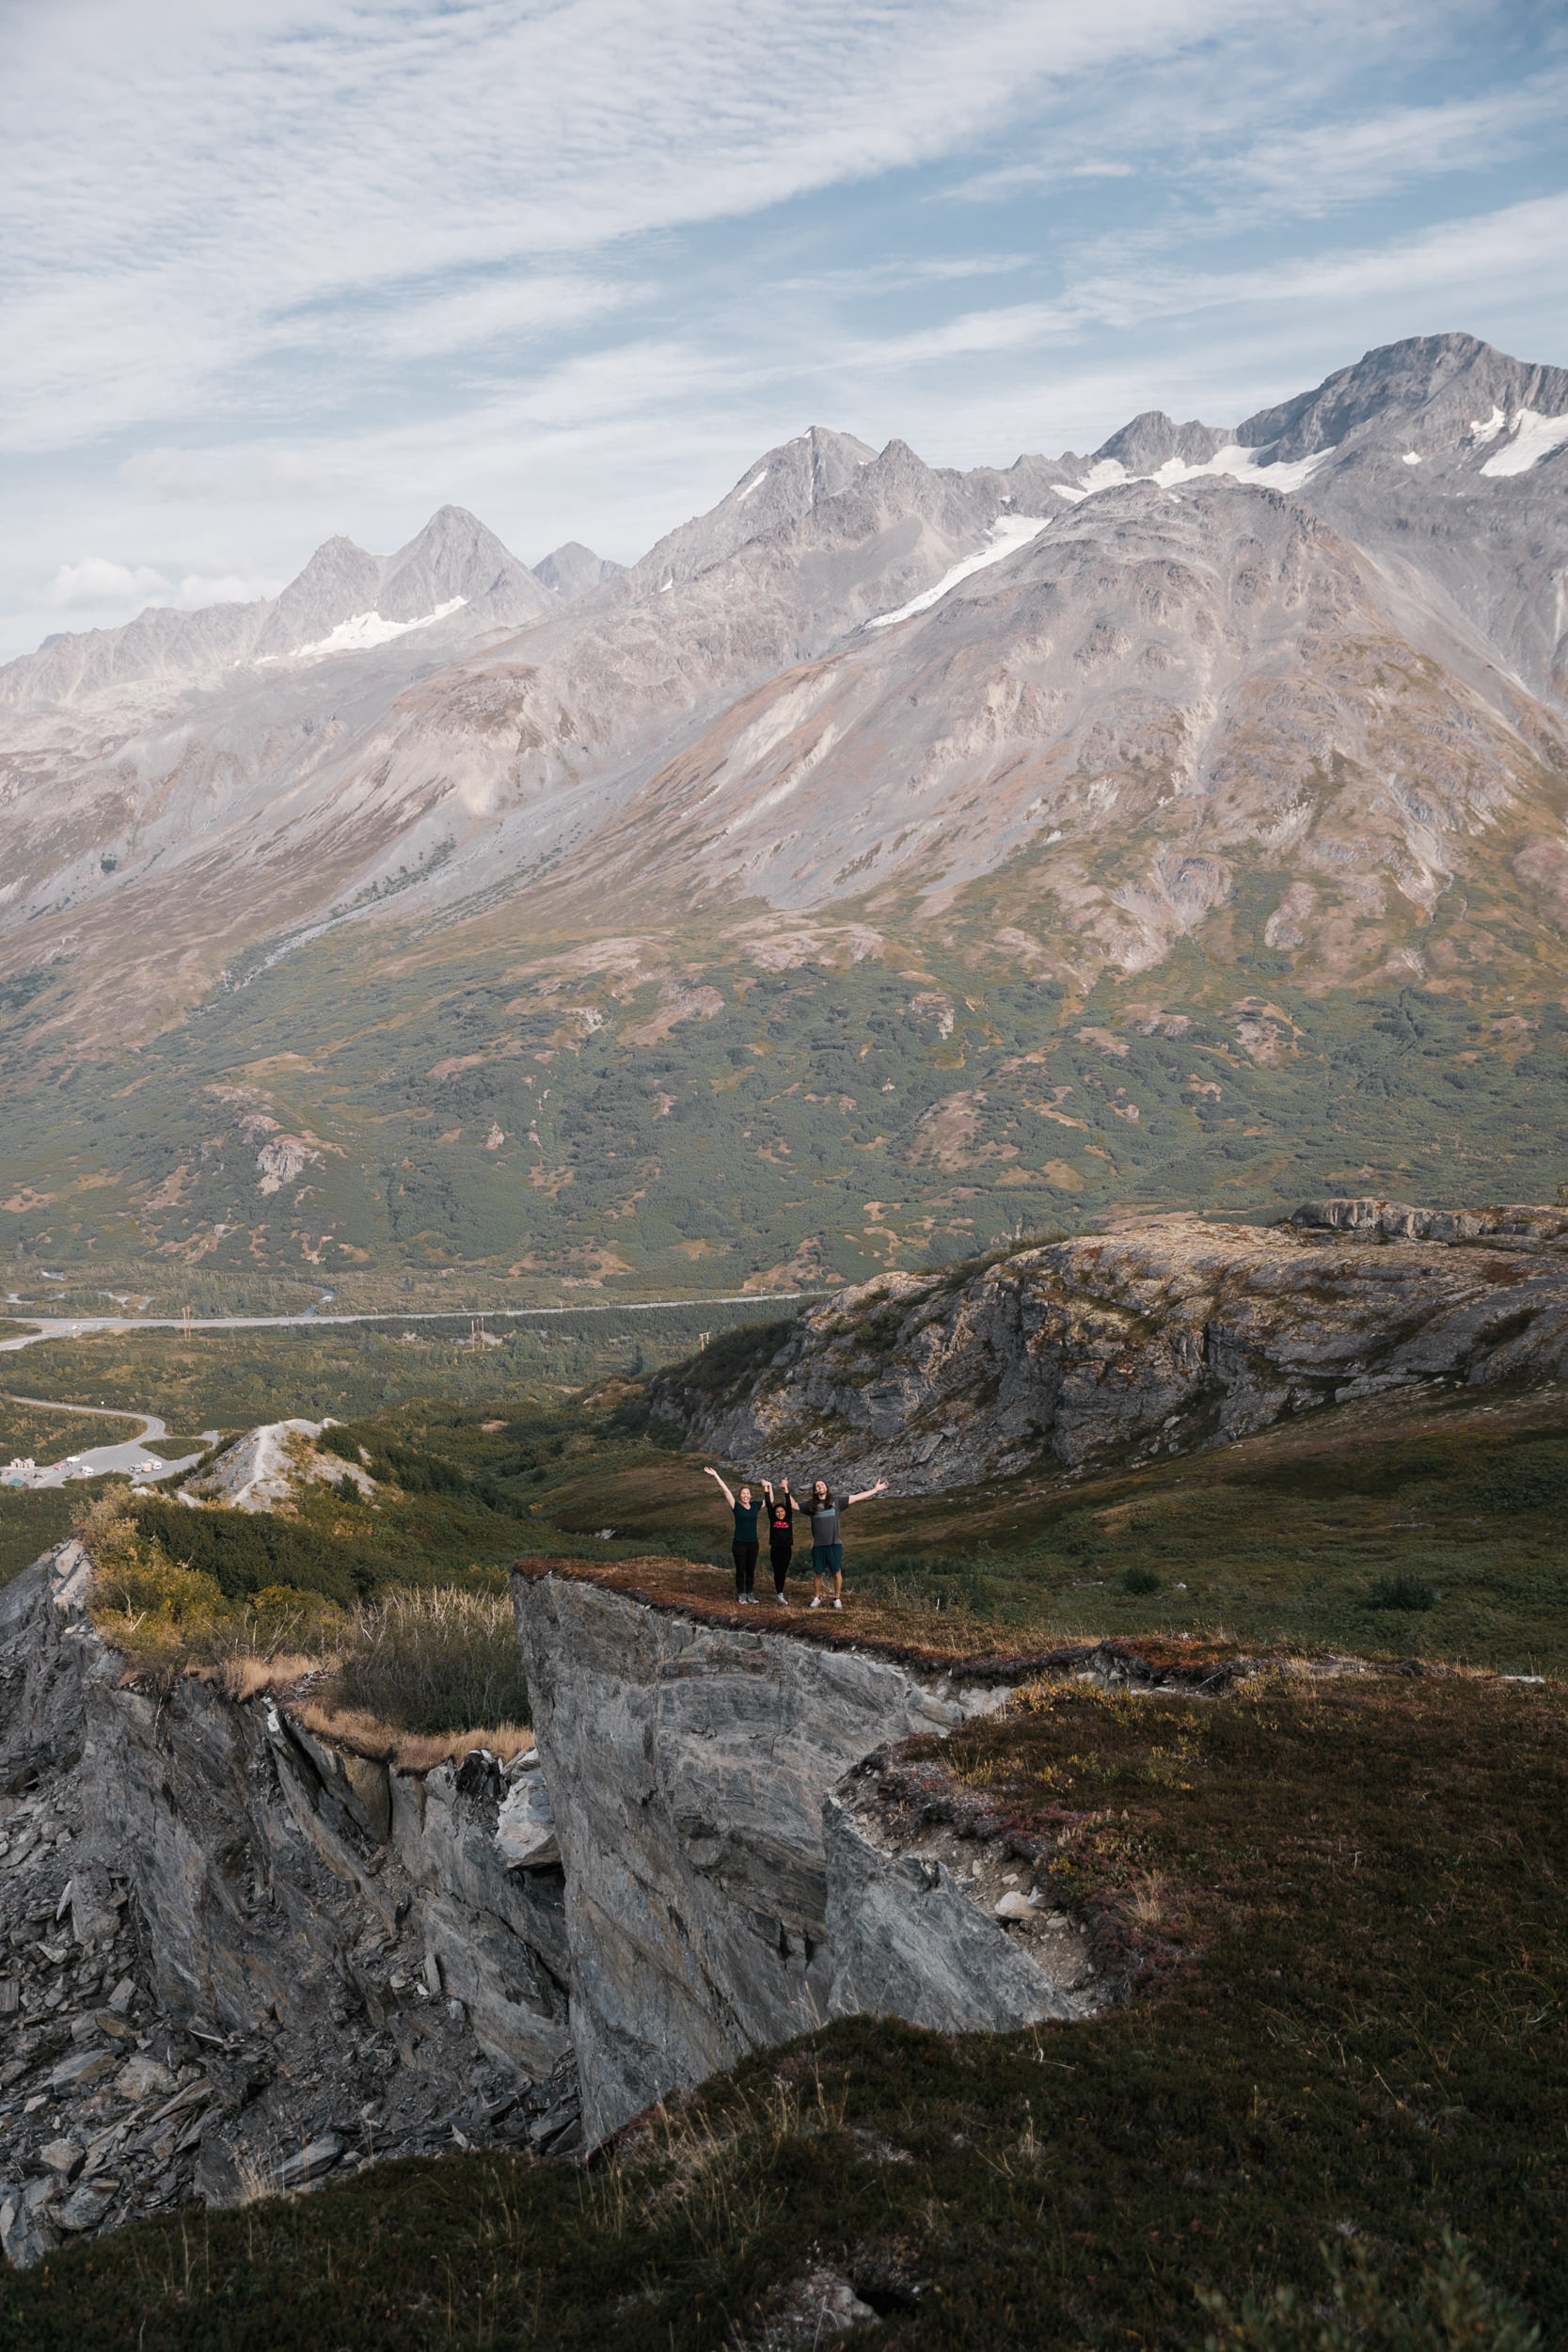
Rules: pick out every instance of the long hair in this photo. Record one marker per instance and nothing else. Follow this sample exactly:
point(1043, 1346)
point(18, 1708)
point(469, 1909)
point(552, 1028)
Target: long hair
point(827, 1502)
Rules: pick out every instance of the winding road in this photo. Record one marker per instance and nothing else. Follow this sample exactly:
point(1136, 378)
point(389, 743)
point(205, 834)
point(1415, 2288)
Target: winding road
point(96, 1459)
point(128, 1457)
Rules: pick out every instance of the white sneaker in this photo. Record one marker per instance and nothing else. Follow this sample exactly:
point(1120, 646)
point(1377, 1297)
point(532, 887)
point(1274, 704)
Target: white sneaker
point(818, 1602)
point(838, 1604)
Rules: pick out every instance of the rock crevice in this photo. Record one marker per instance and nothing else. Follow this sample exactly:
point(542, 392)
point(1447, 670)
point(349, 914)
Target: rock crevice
point(235, 1958)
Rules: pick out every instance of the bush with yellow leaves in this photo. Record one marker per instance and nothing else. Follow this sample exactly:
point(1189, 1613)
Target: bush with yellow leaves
point(145, 1603)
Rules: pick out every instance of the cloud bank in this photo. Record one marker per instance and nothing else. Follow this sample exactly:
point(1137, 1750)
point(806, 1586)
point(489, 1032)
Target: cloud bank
point(296, 266)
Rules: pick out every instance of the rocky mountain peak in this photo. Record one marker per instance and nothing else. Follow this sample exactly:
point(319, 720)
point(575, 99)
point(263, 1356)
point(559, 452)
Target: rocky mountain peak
point(1151, 439)
point(780, 487)
point(454, 555)
point(1447, 388)
point(341, 579)
point(572, 570)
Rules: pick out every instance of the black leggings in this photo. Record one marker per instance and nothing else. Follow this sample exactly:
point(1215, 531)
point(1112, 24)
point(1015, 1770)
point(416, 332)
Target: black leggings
point(745, 1568)
point(778, 1554)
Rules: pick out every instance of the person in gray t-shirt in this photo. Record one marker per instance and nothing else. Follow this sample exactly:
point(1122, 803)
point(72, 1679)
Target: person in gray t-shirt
point(827, 1535)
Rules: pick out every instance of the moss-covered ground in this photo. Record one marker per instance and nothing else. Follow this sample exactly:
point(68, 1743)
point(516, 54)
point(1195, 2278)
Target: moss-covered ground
point(1345, 1904)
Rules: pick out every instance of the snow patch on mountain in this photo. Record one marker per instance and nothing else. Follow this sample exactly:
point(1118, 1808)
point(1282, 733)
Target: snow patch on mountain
point(359, 632)
point(755, 484)
point(1534, 438)
point(1004, 538)
point(1241, 465)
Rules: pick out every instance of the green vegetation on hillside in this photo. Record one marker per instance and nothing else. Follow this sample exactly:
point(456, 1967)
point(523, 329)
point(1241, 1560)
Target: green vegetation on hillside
point(234, 1379)
point(1296, 1537)
point(1343, 1905)
point(703, 1122)
point(1426, 1528)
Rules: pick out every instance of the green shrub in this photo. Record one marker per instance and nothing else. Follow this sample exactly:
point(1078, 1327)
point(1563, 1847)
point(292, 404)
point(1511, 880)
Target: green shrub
point(245, 1550)
point(1399, 1592)
point(1526, 1478)
point(1452, 2311)
point(731, 1359)
point(1139, 1580)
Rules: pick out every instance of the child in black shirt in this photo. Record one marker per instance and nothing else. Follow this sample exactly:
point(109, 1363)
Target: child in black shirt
point(781, 1535)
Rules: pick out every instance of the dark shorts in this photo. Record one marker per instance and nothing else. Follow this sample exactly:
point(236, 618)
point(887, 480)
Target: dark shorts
point(827, 1559)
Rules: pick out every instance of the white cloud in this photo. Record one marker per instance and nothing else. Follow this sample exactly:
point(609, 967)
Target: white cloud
point(206, 475)
point(98, 584)
point(96, 581)
point(330, 152)
point(1522, 247)
point(984, 187)
point(1338, 163)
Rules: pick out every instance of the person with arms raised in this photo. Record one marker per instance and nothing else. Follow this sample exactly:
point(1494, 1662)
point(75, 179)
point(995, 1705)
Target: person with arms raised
point(827, 1536)
point(744, 1547)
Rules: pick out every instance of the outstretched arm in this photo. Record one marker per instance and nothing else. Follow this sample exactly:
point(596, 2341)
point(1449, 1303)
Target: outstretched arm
point(881, 1487)
point(723, 1489)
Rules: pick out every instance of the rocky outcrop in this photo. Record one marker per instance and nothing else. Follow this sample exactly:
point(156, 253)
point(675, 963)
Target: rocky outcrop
point(241, 1956)
point(264, 1469)
point(245, 1958)
point(708, 1910)
point(1163, 1335)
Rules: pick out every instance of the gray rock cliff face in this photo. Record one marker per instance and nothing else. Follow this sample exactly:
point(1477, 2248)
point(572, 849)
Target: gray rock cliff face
point(1163, 1335)
point(708, 1910)
point(310, 1954)
point(243, 1959)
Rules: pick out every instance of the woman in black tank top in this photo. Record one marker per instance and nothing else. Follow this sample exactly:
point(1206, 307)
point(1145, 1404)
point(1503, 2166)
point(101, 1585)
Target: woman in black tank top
point(744, 1547)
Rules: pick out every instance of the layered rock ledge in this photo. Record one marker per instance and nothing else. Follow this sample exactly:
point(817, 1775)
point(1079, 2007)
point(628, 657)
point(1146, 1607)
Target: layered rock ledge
point(1169, 1333)
point(726, 1884)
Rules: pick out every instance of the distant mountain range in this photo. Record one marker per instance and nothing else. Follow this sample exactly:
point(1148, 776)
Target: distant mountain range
point(1286, 700)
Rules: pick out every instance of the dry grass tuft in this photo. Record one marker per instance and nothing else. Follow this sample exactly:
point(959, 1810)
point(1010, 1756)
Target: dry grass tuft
point(1150, 1900)
point(416, 1679)
point(434, 1663)
point(363, 1734)
point(244, 1677)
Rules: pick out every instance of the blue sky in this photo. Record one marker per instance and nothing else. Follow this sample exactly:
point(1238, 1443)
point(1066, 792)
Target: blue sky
point(274, 271)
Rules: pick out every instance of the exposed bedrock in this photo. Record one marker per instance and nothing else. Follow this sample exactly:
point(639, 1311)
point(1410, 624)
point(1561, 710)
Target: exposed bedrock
point(706, 1912)
point(319, 1957)
point(1166, 1334)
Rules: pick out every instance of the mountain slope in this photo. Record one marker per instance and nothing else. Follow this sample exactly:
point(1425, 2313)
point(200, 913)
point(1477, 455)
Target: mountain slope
point(1252, 736)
